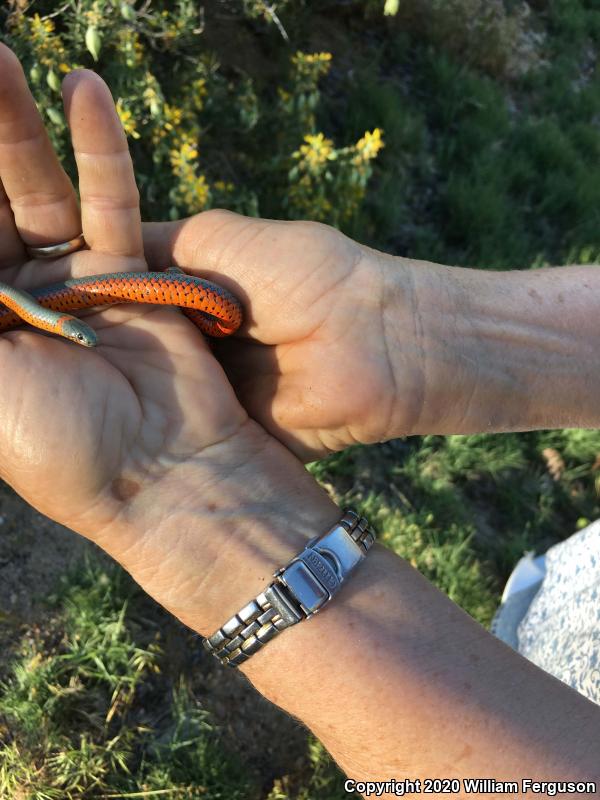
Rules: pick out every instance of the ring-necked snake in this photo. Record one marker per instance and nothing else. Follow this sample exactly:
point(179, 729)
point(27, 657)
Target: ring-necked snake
point(210, 307)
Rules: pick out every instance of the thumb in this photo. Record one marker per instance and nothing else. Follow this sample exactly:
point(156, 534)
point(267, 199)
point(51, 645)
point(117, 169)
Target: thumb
point(212, 241)
point(278, 270)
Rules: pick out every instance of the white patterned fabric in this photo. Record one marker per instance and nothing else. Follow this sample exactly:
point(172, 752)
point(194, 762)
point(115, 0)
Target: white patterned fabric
point(560, 631)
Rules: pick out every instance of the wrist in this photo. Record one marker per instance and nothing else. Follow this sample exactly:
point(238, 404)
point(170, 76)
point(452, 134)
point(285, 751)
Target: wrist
point(206, 537)
point(299, 589)
point(504, 351)
point(482, 351)
point(418, 318)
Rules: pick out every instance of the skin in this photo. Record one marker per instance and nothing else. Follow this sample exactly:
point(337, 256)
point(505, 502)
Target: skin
point(118, 421)
point(342, 344)
point(142, 445)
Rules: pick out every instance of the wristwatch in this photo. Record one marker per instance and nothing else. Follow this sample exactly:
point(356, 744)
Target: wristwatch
point(300, 590)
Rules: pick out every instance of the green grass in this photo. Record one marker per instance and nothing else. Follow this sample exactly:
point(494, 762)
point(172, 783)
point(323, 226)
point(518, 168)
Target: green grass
point(86, 712)
point(463, 509)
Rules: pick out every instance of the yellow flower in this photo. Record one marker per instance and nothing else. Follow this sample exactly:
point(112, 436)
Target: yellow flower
point(315, 152)
point(150, 95)
point(40, 28)
point(183, 157)
point(318, 58)
point(130, 47)
point(311, 65)
point(93, 17)
point(47, 46)
point(198, 93)
point(127, 120)
point(224, 186)
point(64, 67)
point(197, 194)
point(368, 147)
point(173, 116)
point(311, 58)
point(193, 191)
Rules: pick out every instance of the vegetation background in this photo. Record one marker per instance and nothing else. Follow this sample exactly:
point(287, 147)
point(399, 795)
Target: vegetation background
point(463, 131)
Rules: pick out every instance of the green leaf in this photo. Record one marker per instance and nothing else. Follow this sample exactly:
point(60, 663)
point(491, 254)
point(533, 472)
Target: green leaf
point(35, 73)
point(93, 42)
point(127, 12)
point(55, 115)
point(53, 80)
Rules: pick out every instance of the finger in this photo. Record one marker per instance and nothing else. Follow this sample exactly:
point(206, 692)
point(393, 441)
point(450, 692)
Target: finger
point(43, 201)
point(212, 238)
point(76, 265)
point(110, 204)
point(12, 250)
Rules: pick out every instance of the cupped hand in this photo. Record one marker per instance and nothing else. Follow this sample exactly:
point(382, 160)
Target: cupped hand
point(312, 361)
point(90, 436)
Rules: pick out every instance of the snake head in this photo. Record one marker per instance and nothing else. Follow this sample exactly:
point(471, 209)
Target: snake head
point(79, 332)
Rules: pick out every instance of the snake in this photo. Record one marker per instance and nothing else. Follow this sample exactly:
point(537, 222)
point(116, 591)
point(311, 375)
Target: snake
point(213, 309)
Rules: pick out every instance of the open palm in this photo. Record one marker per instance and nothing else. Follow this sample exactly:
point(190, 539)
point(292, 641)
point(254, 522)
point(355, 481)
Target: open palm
point(81, 430)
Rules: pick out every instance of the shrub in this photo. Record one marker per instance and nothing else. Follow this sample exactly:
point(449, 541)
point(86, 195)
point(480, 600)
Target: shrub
point(200, 135)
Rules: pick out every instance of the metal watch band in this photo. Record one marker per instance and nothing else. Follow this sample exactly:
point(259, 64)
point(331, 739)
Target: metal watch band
point(300, 590)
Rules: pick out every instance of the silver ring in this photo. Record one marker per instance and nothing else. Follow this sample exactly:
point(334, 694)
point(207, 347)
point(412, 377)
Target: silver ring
point(57, 250)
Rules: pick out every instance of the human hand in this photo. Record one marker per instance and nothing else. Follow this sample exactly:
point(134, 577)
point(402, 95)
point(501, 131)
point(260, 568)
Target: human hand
point(344, 345)
point(312, 364)
point(140, 443)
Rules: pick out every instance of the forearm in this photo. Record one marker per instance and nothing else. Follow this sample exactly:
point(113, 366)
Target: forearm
point(393, 678)
point(397, 682)
point(499, 351)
